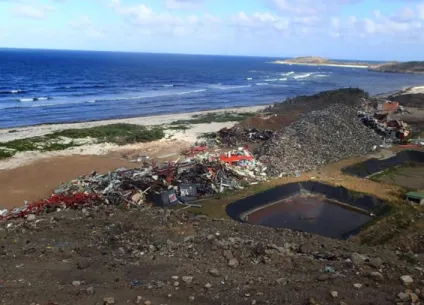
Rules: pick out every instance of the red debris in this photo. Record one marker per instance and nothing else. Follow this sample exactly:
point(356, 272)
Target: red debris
point(67, 201)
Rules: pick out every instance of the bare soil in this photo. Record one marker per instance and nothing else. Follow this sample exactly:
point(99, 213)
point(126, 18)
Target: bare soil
point(83, 257)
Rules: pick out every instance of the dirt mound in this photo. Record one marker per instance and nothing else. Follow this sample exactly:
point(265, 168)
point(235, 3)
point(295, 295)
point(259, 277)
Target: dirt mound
point(317, 138)
point(103, 253)
point(409, 100)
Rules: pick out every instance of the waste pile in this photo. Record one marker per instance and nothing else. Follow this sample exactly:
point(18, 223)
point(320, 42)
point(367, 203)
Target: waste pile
point(167, 184)
point(236, 136)
point(317, 138)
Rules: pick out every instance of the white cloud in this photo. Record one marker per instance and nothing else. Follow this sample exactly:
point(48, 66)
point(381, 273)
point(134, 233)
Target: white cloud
point(86, 26)
point(32, 11)
point(183, 4)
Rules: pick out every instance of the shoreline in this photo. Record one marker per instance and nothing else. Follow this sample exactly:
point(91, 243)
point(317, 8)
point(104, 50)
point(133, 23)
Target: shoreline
point(282, 62)
point(16, 133)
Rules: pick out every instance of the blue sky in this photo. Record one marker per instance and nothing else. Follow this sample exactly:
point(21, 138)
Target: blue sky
point(344, 29)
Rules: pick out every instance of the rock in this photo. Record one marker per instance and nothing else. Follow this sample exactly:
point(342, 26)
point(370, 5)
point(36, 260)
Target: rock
point(228, 254)
point(414, 298)
point(76, 284)
point(147, 302)
point(406, 280)
point(31, 217)
point(176, 284)
point(403, 296)
point(109, 300)
point(175, 277)
point(208, 286)
point(90, 290)
point(334, 294)
point(312, 301)
point(233, 263)
point(305, 249)
point(376, 262)
point(187, 279)
point(357, 285)
point(281, 281)
point(214, 272)
point(138, 300)
point(191, 298)
point(83, 264)
point(357, 259)
point(377, 276)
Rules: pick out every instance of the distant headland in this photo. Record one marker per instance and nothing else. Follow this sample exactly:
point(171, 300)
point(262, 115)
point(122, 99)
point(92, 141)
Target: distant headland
point(415, 67)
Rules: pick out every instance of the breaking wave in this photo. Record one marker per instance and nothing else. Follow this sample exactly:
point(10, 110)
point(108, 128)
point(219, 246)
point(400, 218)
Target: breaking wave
point(302, 76)
point(11, 91)
point(34, 99)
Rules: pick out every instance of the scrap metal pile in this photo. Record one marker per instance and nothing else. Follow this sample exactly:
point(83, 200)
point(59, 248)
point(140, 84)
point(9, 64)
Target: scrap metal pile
point(317, 138)
point(168, 184)
point(236, 136)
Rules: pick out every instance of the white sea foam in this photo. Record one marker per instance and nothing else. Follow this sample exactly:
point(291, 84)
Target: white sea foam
point(249, 78)
point(168, 85)
point(26, 100)
point(192, 91)
point(271, 80)
point(283, 79)
point(261, 84)
point(287, 74)
point(302, 76)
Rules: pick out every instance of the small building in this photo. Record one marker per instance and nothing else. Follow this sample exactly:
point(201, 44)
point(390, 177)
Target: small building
point(415, 197)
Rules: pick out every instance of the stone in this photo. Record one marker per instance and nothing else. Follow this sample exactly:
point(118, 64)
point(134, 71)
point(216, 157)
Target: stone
point(109, 300)
point(357, 259)
point(357, 285)
point(281, 281)
point(138, 300)
point(175, 277)
point(76, 284)
point(83, 264)
point(377, 276)
point(228, 254)
point(233, 263)
point(187, 279)
point(147, 302)
point(376, 262)
point(90, 290)
point(414, 298)
point(176, 284)
point(403, 296)
point(312, 301)
point(334, 294)
point(31, 217)
point(214, 272)
point(406, 280)
point(208, 286)
point(191, 298)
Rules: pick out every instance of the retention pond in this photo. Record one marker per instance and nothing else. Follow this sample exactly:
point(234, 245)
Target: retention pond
point(311, 207)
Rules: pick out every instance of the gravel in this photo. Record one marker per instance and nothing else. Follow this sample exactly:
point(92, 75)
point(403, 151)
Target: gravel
point(317, 138)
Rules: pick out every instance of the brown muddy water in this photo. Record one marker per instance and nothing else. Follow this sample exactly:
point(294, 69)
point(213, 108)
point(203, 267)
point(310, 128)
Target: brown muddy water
point(310, 214)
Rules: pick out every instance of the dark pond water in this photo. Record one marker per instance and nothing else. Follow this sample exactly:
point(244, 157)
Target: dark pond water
point(310, 214)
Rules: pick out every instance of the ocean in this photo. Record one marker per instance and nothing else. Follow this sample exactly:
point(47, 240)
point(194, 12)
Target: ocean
point(49, 86)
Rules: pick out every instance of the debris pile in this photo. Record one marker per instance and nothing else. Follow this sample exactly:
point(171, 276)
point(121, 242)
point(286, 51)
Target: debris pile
point(166, 184)
point(236, 136)
point(394, 131)
point(317, 138)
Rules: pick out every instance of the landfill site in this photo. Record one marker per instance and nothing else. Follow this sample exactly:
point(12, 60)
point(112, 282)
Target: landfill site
point(315, 200)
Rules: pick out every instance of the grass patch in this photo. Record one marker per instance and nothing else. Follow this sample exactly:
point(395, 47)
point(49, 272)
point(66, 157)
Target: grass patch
point(179, 127)
point(206, 118)
point(115, 133)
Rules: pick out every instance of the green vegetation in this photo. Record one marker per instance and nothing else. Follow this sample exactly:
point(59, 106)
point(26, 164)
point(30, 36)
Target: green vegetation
point(115, 133)
point(227, 116)
point(179, 127)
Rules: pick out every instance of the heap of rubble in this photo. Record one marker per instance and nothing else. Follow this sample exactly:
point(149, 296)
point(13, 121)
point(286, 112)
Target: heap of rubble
point(317, 138)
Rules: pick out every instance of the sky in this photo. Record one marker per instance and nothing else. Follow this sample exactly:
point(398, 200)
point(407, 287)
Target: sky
point(339, 29)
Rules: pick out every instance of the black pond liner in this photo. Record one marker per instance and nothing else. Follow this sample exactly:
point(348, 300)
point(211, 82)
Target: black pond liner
point(374, 166)
point(368, 204)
